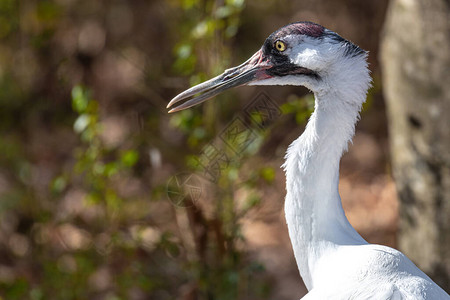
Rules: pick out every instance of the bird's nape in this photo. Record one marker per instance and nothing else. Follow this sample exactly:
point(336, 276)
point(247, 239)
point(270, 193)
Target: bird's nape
point(252, 70)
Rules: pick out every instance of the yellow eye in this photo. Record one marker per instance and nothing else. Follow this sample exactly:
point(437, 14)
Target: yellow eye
point(280, 46)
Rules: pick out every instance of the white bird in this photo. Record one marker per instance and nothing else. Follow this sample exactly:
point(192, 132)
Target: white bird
point(334, 261)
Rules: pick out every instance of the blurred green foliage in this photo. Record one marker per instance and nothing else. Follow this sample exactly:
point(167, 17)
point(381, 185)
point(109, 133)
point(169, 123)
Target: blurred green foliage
point(220, 268)
point(95, 161)
point(86, 235)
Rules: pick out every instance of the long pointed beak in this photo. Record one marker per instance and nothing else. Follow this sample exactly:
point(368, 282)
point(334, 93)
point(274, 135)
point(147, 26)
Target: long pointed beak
point(251, 70)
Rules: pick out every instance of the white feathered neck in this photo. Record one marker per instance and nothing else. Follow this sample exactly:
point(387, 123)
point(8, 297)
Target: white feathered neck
point(314, 214)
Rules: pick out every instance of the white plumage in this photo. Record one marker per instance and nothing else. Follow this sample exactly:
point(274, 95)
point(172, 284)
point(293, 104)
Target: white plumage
point(334, 261)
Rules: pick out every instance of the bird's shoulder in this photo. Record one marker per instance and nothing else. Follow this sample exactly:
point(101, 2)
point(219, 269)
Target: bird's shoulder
point(361, 261)
point(372, 272)
point(370, 259)
point(374, 292)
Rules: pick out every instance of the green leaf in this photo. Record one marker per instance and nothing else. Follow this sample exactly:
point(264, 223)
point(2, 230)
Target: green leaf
point(81, 123)
point(184, 51)
point(129, 158)
point(59, 184)
point(110, 169)
point(80, 100)
point(252, 201)
point(267, 173)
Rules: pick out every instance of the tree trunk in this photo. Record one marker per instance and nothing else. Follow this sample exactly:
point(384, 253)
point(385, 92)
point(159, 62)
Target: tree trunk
point(415, 57)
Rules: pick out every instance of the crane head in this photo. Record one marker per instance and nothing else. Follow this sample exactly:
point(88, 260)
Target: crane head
point(301, 53)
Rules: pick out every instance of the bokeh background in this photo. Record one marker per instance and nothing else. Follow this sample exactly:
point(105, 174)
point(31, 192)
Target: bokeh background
point(88, 153)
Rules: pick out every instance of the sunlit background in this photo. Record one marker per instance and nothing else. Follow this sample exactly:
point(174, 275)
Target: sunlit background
point(91, 164)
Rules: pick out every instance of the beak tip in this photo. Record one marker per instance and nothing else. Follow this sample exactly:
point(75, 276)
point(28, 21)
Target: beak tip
point(175, 100)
